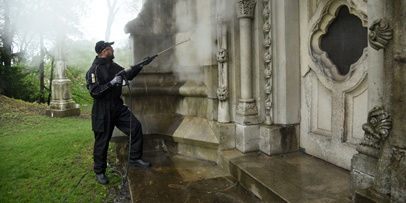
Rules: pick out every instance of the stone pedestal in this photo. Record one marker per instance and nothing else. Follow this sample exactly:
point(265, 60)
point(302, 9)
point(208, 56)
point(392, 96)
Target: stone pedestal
point(62, 104)
point(225, 133)
point(247, 138)
point(279, 139)
point(363, 171)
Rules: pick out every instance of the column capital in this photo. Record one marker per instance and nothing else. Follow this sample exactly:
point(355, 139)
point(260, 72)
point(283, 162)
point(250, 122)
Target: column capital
point(245, 8)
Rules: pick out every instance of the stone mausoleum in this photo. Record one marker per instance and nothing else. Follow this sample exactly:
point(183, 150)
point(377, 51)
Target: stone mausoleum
point(324, 77)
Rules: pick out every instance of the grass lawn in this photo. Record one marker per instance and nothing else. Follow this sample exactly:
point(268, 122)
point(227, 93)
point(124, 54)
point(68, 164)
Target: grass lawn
point(42, 158)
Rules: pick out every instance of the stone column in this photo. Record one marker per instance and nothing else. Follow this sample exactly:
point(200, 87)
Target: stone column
point(247, 132)
point(222, 57)
point(62, 104)
point(370, 168)
point(375, 59)
point(282, 78)
point(247, 112)
point(376, 83)
point(224, 129)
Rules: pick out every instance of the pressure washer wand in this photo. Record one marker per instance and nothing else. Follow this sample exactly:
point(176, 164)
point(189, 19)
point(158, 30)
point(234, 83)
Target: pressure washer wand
point(171, 47)
point(150, 58)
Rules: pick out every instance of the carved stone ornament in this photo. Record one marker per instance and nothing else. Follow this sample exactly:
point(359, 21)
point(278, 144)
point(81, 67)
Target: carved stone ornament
point(222, 56)
point(222, 93)
point(245, 8)
point(266, 12)
point(380, 34)
point(377, 128)
point(268, 104)
point(247, 107)
point(267, 57)
point(267, 41)
point(267, 27)
point(268, 89)
point(268, 73)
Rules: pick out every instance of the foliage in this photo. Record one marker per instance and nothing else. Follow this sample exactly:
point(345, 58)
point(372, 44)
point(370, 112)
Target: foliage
point(20, 83)
point(23, 23)
point(80, 94)
point(44, 158)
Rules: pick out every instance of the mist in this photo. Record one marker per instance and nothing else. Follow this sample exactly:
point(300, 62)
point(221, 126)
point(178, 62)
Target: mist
point(201, 29)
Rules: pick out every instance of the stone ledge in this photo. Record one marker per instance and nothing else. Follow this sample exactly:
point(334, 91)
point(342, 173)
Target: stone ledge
point(192, 137)
point(369, 196)
point(291, 177)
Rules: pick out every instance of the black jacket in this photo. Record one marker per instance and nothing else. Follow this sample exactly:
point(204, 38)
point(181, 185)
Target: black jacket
point(98, 78)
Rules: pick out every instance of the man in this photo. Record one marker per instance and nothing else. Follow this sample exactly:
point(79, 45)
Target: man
point(108, 109)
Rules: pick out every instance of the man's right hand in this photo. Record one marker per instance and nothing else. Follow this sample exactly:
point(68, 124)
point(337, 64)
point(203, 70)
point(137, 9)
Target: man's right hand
point(117, 80)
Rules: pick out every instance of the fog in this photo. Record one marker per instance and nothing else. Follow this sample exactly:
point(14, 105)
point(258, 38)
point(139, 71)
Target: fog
point(30, 28)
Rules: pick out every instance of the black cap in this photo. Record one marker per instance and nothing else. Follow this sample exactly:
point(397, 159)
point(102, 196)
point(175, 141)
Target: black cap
point(101, 45)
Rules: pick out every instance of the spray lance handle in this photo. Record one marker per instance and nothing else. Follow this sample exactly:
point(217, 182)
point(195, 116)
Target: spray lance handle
point(123, 73)
point(146, 60)
point(142, 63)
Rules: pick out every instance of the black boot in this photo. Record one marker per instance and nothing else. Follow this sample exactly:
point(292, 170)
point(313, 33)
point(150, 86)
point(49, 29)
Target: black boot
point(140, 163)
point(102, 178)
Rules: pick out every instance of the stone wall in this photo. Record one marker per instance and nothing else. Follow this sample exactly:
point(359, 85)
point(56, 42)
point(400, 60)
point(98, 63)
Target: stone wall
point(247, 68)
point(195, 79)
point(398, 161)
point(378, 171)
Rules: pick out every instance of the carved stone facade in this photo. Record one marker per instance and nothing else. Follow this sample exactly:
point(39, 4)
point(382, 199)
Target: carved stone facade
point(377, 168)
point(254, 69)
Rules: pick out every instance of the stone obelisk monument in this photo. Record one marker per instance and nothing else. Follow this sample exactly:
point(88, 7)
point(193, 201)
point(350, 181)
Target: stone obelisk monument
point(62, 104)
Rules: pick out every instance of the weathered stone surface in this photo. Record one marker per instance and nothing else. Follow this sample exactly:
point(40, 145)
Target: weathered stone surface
point(398, 178)
point(363, 170)
point(292, 177)
point(182, 83)
point(279, 139)
point(370, 196)
point(247, 138)
point(225, 133)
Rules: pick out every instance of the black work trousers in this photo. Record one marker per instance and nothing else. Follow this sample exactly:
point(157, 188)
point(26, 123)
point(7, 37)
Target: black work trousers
point(105, 116)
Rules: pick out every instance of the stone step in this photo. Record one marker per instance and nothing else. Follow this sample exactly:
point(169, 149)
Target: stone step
point(291, 177)
point(193, 137)
point(370, 196)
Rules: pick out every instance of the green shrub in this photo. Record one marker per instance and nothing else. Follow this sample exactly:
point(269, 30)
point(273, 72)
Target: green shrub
point(80, 94)
point(20, 82)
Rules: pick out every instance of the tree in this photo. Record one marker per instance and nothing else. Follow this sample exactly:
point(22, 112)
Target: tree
point(6, 36)
point(113, 9)
point(125, 6)
point(31, 27)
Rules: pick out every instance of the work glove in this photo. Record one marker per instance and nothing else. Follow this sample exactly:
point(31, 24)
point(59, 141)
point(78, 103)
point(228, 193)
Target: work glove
point(117, 80)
